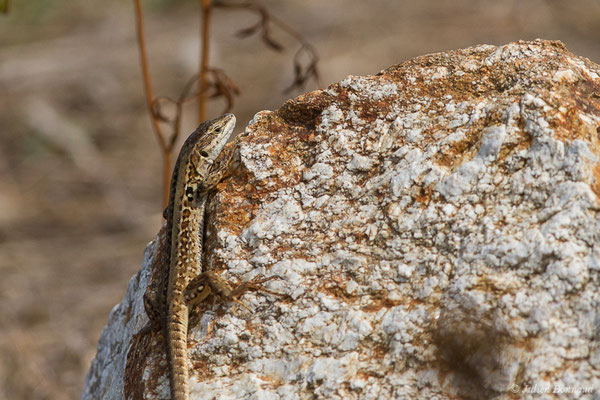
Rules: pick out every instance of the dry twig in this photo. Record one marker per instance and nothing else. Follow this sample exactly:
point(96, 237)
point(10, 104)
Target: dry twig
point(150, 101)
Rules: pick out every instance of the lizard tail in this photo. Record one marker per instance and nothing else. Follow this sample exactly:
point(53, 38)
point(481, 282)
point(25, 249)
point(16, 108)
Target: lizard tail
point(177, 345)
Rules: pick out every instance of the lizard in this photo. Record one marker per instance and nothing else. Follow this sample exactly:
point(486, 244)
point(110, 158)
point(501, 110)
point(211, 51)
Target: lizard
point(181, 285)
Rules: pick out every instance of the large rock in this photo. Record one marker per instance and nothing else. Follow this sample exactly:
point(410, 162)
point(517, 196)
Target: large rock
point(435, 225)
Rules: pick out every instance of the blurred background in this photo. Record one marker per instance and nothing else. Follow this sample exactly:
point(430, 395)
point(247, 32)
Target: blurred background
point(80, 169)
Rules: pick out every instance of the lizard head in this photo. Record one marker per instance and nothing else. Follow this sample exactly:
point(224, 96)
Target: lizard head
point(197, 155)
point(204, 145)
point(212, 137)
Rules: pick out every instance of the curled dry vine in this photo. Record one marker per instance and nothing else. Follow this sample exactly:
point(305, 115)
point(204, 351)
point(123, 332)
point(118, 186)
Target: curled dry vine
point(303, 70)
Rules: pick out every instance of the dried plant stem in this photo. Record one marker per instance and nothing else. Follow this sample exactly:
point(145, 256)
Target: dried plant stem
point(204, 54)
point(165, 148)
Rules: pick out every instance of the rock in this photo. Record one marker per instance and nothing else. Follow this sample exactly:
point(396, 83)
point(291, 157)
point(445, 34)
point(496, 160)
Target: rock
point(435, 226)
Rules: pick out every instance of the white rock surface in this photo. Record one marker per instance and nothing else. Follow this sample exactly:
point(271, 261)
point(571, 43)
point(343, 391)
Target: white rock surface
point(436, 227)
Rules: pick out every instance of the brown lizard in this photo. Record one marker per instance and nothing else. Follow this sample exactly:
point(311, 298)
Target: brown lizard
point(169, 299)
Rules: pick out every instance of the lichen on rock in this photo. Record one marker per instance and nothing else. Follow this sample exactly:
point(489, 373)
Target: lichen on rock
point(435, 227)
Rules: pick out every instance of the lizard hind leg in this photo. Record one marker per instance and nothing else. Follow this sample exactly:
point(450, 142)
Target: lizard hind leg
point(255, 285)
point(209, 283)
point(153, 302)
point(206, 284)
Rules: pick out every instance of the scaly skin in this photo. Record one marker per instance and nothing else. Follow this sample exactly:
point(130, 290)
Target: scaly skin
point(190, 183)
point(169, 299)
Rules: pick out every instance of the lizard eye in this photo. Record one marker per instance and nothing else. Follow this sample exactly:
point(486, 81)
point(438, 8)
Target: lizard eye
point(189, 192)
point(203, 153)
point(218, 129)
